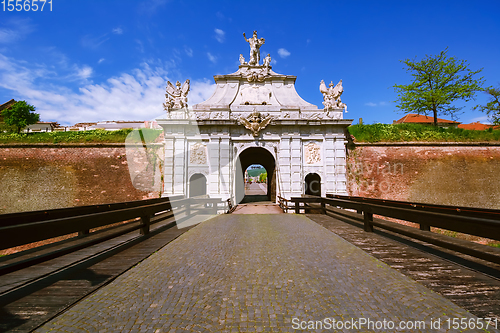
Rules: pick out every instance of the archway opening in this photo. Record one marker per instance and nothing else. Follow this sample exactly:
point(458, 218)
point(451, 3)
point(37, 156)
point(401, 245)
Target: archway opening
point(197, 185)
point(313, 184)
point(254, 156)
point(256, 180)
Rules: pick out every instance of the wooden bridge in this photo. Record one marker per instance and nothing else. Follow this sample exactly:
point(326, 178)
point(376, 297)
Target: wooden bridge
point(103, 242)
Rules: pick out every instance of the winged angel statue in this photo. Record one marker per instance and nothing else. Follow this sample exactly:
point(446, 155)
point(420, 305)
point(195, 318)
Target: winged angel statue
point(176, 97)
point(332, 95)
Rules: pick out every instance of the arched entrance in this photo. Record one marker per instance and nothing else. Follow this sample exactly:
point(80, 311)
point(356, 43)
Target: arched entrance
point(313, 184)
point(250, 156)
point(197, 185)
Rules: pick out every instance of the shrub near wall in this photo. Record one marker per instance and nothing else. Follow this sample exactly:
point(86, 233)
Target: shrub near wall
point(421, 133)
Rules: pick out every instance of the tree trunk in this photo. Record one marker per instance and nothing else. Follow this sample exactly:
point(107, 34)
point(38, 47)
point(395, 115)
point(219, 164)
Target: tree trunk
point(435, 118)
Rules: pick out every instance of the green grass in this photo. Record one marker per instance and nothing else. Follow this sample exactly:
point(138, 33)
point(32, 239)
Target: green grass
point(93, 136)
point(415, 132)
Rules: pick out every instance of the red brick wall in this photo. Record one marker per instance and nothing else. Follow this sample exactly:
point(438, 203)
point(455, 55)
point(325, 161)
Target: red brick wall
point(50, 177)
point(449, 175)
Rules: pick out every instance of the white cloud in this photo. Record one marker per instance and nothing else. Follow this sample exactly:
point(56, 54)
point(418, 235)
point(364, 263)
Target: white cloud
point(94, 42)
point(200, 91)
point(135, 95)
point(18, 30)
point(373, 104)
point(118, 31)
point(283, 53)
point(220, 35)
point(140, 46)
point(211, 57)
point(151, 6)
point(84, 73)
point(481, 119)
point(188, 51)
point(101, 61)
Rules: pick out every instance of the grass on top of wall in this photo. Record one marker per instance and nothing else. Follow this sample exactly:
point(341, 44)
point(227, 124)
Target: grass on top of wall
point(92, 136)
point(416, 132)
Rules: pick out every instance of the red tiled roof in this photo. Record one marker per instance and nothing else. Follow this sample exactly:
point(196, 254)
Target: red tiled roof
point(7, 104)
point(421, 119)
point(477, 126)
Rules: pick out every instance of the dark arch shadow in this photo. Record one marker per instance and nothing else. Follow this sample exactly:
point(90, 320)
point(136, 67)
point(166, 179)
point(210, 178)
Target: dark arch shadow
point(313, 184)
point(197, 185)
point(256, 155)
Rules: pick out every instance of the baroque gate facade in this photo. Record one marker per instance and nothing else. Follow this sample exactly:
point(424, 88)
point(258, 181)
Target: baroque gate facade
point(255, 116)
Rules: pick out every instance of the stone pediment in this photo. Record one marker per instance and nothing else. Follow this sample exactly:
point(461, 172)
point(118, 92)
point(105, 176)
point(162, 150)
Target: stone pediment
point(252, 86)
point(256, 87)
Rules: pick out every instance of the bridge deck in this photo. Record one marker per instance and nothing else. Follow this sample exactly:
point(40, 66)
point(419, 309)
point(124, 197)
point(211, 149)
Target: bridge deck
point(247, 273)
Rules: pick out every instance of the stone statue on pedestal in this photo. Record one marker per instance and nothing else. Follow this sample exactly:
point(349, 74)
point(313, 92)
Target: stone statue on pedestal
point(267, 61)
point(255, 44)
point(176, 97)
point(242, 60)
point(332, 95)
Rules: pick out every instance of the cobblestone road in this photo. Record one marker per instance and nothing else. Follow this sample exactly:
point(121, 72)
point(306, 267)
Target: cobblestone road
point(254, 273)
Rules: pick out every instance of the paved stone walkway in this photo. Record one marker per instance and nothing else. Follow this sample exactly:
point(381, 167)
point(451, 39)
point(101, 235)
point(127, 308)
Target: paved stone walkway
point(254, 273)
point(266, 207)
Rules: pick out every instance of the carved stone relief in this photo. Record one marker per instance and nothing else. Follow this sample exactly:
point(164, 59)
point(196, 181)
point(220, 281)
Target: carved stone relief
point(198, 154)
point(255, 122)
point(312, 153)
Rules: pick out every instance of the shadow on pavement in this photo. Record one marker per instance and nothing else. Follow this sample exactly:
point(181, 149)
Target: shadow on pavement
point(255, 198)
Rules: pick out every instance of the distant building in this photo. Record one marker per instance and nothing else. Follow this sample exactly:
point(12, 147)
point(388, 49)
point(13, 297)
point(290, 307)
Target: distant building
point(413, 118)
point(477, 126)
point(83, 126)
point(41, 126)
point(152, 124)
point(117, 125)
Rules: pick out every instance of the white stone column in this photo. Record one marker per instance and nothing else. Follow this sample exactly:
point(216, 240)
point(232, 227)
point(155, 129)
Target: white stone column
point(329, 165)
point(180, 165)
point(296, 164)
point(168, 168)
point(214, 158)
point(225, 167)
point(340, 165)
point(284, 163)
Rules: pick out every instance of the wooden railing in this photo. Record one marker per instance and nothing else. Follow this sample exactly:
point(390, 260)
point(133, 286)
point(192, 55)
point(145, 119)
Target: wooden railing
point(472, 221)
point(285, 204)
point(27, 227)
point(150, 217)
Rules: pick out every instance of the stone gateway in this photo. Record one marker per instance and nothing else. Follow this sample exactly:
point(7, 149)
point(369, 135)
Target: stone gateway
point(255, 116)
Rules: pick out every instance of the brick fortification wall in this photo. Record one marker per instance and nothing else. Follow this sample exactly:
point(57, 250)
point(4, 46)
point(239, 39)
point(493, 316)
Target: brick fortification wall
point(441, 174)
point(47, 177)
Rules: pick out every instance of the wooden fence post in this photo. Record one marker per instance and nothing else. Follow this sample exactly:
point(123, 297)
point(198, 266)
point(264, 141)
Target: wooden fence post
point(368, 219)
point(146, 220)
point(425, 227)
point(83, 232)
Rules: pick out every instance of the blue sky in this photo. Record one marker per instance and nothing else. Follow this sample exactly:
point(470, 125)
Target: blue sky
point(110, 60)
